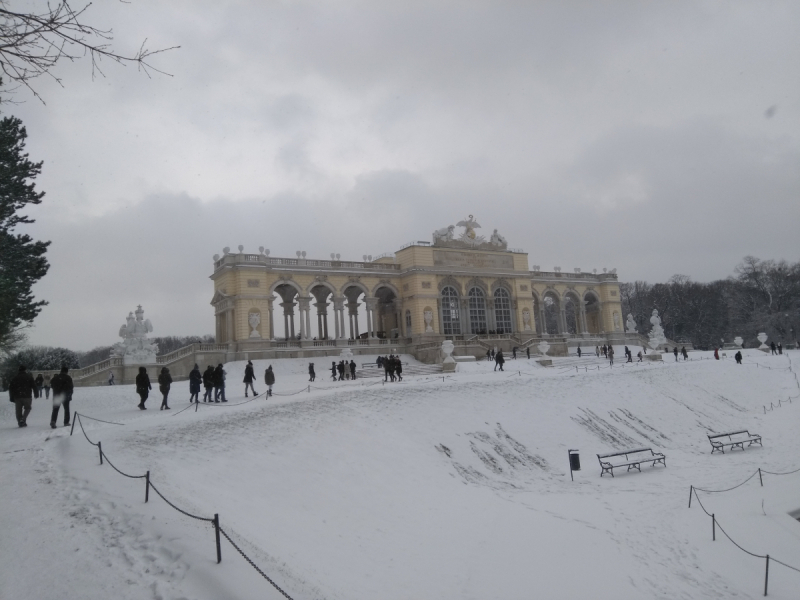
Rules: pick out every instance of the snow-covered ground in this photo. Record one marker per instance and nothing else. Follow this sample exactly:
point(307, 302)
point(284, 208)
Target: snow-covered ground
point(454, 488)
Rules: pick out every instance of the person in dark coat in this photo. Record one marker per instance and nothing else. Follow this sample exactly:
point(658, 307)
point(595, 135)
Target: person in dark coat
point(685, 354)
point(340, 368)
point(398, 368)
point(499, 361)
point(269, 379)
point(47, 380)
point(164, 383)
point(610, 354)
point(195, 380)
point(352, 369)
point(219, 383)
point(528, 352)
point(39, 384)
point(738, 357)
point(249, 377)
point(333, 370)
point(143, 387)
point(311, 374)
point(514, 352)
point(489, 354)
point(21, 391)
point(62, 395)
point(675, 352)
point(208, 383)
point(579, 352)
point(773, 347)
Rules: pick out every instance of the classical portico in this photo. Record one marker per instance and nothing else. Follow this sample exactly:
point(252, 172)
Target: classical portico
point(463, 287)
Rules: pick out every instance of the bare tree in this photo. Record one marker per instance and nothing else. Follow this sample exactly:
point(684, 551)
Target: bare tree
point(32, 43)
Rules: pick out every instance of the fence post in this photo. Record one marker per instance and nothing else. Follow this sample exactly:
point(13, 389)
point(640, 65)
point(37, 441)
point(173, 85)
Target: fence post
point(691, 489)
point(713, 528)
point(766, 576)
point(759, 477)
point(147, 488)
point(216, 530)
point(100, 448)
point(75, 417)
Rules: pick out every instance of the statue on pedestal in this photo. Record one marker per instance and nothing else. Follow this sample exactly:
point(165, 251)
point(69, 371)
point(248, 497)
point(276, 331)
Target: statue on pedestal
point(630, 324)
point(657, 336)
point(254, 319)
point(135, 348)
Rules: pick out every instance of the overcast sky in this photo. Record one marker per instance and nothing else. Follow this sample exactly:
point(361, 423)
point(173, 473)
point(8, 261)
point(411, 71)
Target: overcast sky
point(654, 137)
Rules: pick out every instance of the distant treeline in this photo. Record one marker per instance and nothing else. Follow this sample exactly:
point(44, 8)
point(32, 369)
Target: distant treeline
point(166, 344)
point(47, 358)
point(762, 296)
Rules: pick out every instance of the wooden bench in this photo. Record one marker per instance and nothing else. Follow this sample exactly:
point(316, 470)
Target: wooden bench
point(633, 459)
point(740, 439)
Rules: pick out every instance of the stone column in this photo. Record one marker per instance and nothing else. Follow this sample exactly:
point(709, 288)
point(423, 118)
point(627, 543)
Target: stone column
point(352, 314)
point(562, 319)
point(338, 321)
point(491, 322)
point(303, 304)
point(229, 325)
point(371, 305)
point(270, 300)
point(584, 329)
point(464, 307)
point(288, 310)
point(542, 319)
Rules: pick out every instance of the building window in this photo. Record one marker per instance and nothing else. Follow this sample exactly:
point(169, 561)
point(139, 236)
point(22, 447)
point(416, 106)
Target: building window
point(477, 310)
point(502, 310)
point(451, 320)
point(408, 322)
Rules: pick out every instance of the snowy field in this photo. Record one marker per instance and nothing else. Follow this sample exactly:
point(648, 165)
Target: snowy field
point(456, 488)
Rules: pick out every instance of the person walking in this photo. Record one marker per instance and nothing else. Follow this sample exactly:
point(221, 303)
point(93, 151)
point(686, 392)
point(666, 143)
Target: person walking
point(528, 352)
point(269, 379)
point(47, 380)
point(738, 357)
point(143, 387)
point(499, 361)
point(21, 390)
point(489, 354)
point(628, 355)
point(605, 351)
point(610, 354)
point(219, 384)
point(333, 370)
point(773, 347)
point(311, 374)
point(716, 353)
point(639, 354)
point(195, 380)
point(675, 352)
point(352, 369)
point(208, 383)
point(340, 369)
point(780, 348)
point(685, 354)
point(597, 351)
point(111, 378)
point(579, 350)
point(164, 383)
point(514, 352)
point(398, 368)
point(39, 381)
point(62, 395)
point(249, 376)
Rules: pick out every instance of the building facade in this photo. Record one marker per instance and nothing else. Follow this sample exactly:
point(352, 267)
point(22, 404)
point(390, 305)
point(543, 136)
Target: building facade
point(456, 287)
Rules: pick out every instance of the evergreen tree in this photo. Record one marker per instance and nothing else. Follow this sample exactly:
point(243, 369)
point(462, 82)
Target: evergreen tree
point(22, 260)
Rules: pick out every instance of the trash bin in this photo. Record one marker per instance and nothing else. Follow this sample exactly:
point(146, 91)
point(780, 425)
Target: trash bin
point(574, 461)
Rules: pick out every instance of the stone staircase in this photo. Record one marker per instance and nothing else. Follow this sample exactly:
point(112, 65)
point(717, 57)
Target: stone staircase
point(371, 370)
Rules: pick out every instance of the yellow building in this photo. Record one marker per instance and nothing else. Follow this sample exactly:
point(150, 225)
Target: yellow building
point(465, 288)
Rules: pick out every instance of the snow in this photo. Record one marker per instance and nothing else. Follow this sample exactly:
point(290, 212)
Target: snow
point(446, 487)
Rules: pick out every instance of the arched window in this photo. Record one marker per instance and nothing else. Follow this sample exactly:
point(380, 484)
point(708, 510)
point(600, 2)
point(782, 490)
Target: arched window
point(477, 310)
point(408, 323)
point(451, 320)
point(502, 310)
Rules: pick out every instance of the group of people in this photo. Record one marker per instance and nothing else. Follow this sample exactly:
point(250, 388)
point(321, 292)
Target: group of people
point(339, 372)
point(23, 388)
point(392, 367)
point(776, 349)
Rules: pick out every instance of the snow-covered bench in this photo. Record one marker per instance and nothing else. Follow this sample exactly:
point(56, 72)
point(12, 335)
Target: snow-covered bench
point(734, 439)
point(632, 459)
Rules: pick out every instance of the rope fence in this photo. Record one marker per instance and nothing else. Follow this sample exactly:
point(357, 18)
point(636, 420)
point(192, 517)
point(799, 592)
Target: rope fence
point(716, 525)
point(77, 417)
